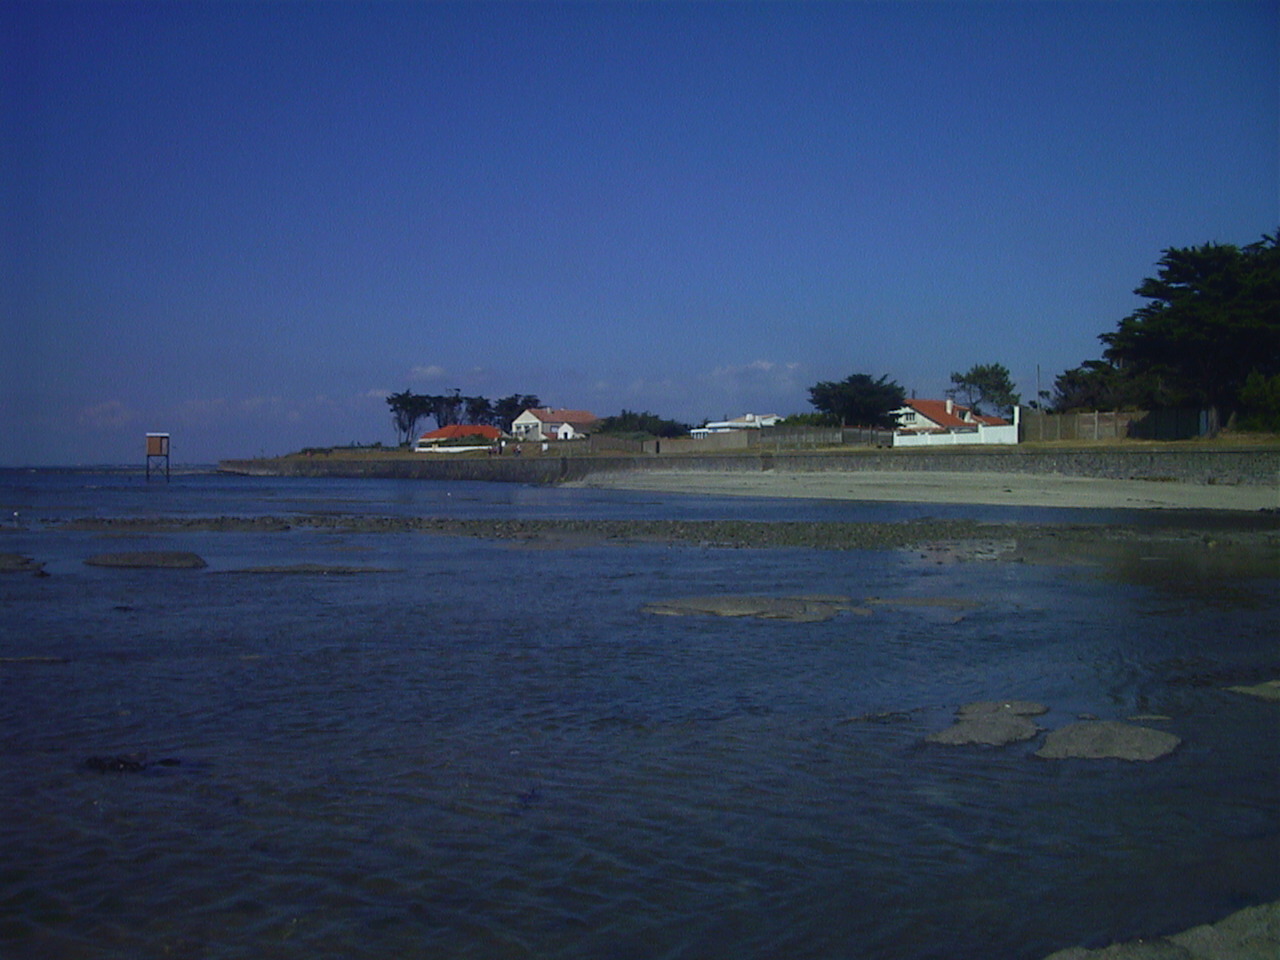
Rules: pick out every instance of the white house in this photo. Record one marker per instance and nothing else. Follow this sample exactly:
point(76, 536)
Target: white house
point(932, 422)
point(748, 421)
point(545, 423)
point(458, 438)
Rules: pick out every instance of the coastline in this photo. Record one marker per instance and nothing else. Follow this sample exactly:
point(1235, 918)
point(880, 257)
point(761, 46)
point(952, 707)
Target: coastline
point(953, 487)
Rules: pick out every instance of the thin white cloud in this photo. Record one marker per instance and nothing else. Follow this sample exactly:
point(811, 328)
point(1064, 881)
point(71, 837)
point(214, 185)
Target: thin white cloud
point(108, 415)
point(428, 372)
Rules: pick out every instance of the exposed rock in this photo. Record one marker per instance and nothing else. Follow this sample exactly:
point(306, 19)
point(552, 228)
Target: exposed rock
point(1104, 739)
point(313, 569)
point(1021, 708)
point(992, 723)
point(1267, 690)
point(17, 563)
point(801, 609)
point(166, 559)
point(1249, 934)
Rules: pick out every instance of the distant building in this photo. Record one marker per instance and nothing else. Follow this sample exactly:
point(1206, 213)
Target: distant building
point(546, 423)
point(748, 421)
point(458, 438)
point(929, 422)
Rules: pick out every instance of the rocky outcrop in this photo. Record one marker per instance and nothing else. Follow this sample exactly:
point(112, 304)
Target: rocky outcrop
point(1107, 739)
point(799, 609)
point(1249, 934)
point(992, 723)
point(1267, 690)
point(17, 563)
point(162, 559)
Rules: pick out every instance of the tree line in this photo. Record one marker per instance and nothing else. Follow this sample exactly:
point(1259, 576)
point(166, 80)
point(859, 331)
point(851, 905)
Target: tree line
point(1208, 337)
point(408, 409)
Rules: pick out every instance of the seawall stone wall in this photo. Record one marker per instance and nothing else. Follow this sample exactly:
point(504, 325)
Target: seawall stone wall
point(1227, 466)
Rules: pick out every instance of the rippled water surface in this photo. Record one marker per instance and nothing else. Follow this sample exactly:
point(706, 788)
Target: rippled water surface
point(489, 750)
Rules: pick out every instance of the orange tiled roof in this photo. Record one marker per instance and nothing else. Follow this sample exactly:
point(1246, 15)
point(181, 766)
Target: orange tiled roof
point(456, 430)
point(936, 410)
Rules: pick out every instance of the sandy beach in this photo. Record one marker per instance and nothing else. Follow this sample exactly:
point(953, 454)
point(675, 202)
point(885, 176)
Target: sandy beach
point(1007, 489)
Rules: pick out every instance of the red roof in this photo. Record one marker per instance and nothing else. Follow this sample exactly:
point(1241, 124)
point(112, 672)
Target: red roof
point(936, 410)
point(548, 415)
point(457, 430)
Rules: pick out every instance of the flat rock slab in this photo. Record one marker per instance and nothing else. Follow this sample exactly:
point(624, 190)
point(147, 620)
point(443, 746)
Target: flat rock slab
point(313, 569)
point(992, 723)
point(1267, 690)
point(1107, 739)
point(17, 563)
point(802, 609)
point(1249, 934)
point(161, 559)
point(1020, 708)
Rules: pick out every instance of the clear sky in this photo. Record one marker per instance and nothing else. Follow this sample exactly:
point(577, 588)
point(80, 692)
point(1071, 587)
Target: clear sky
point(245, 224)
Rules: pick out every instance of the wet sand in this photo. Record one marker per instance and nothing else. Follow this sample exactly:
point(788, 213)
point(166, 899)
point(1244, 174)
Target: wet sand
point(1005, 489)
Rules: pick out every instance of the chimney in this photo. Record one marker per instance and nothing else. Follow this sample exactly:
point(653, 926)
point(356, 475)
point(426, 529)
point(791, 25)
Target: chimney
point(950, 405)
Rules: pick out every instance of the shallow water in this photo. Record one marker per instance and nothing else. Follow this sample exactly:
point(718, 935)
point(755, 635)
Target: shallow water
point(491, 751)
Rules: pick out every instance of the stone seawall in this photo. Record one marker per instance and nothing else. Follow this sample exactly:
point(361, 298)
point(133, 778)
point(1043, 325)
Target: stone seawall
point(1252, 467)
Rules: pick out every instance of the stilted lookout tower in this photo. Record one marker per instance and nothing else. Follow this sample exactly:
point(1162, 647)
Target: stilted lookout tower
point(158, 454)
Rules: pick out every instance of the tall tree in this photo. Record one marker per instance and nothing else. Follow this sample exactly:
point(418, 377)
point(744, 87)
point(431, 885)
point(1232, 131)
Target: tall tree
point(508, 408)
point(1212, 320)
point(985, 385)
point(859, 400)
point(646, 423)
point(479, 410)
point(407, 409)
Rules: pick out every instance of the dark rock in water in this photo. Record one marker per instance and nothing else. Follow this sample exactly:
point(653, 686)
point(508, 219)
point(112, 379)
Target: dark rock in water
point(799, 609)
point(163, 559)
point(1020, 708)
point(992, 723)
point(127, 763)
point(1107, 739)
point(313, 569)
point(17, 563)
point(1267, 690)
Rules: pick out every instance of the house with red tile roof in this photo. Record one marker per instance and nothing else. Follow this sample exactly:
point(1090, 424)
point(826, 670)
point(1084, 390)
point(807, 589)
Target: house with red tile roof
point(547, 423)
point(928, 422)
point(458, 438)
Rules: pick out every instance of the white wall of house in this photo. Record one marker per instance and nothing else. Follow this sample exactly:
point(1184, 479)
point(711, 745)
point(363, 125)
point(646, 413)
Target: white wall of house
point(981, 433)
point(527, 427)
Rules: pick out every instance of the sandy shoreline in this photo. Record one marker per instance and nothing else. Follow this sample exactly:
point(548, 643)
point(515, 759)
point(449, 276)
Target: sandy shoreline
point(1007, 489)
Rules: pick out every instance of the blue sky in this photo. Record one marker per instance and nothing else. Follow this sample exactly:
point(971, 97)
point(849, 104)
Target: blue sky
point(244, 224)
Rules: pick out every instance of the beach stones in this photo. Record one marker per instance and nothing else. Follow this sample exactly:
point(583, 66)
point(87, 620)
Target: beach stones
point(992, 723)
point(160, 559)
point(801, 609)
point(1107, 739)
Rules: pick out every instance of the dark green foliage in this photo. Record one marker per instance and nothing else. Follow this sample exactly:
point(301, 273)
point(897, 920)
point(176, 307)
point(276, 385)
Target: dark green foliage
point(408, 408)
point(858, 400)
point(1212, 321)
point(809, 420)
point(985, 385)
point(508, 408)
point(1096, 385)
point(1260, 402)
point(646, 424)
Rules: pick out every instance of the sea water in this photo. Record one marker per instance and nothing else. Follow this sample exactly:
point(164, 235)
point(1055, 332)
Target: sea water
point(488, 749)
